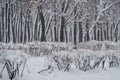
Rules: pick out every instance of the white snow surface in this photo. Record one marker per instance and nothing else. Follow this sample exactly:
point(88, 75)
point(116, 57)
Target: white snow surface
point(36, 64)
point(87, 53)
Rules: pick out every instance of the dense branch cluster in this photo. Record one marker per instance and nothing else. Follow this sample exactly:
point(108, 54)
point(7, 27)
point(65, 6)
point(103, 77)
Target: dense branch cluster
point(73, 21)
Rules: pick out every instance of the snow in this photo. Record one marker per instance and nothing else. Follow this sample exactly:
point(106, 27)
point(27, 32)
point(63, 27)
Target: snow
point(37, 63)
point(90, 75)
point(62, 54)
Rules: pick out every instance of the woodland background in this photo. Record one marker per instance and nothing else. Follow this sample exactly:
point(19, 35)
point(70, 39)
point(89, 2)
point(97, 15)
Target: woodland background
point(73, 21)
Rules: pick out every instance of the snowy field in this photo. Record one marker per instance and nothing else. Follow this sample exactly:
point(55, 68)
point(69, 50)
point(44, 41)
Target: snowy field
point(51, 61)
point(36, 64)
point(109, 74)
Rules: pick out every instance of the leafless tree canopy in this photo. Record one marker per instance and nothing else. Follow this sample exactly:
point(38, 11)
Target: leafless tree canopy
point(73, 21)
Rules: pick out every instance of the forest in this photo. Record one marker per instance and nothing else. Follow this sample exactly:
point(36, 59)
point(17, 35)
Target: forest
point(59, 39)
point(72, 21)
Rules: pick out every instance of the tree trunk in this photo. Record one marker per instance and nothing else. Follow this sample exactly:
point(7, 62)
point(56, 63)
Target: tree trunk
point(62, 29)
point(43, 36)
point(80, 32)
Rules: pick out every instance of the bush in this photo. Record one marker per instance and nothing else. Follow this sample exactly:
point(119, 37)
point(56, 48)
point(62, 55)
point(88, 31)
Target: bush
point(86, 59)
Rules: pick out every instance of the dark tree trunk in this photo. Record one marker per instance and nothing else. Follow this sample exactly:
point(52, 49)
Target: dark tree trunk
point(25, 32)
point(98, 34)
point(80, 32)
point(87, 31)
point(107, 31)
point(28, 27)
point(95, 33)
point(101, 31)
point(35, 28)
point(41, 17)
point(8, 32)
point(75, 33)
point(56, 39)
point(43, 36)
point(21, 26)
point(116, 34)
point(62, 29)
point(66, 35)
point(105, 34)
point(2, 30)
point(63, 32)
point(6, 21)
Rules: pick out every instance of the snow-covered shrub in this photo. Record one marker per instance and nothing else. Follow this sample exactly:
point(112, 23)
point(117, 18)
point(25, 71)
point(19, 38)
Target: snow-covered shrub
point(94, 59)
point(12, 68)
point(2, 45)
point(114, 60)
point(83, 59)
point(89, 55)
point(112, 46)
point(39, 48)
point(92, 45)
point(45, 48)
point(36, 48)
point(97, 45)
point(63, 60)
point(86, 59)
point(12, 61)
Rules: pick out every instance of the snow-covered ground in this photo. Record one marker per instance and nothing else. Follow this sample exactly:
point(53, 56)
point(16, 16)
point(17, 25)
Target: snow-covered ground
point(38, 63)
point(98, 74)
point(57, 56)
